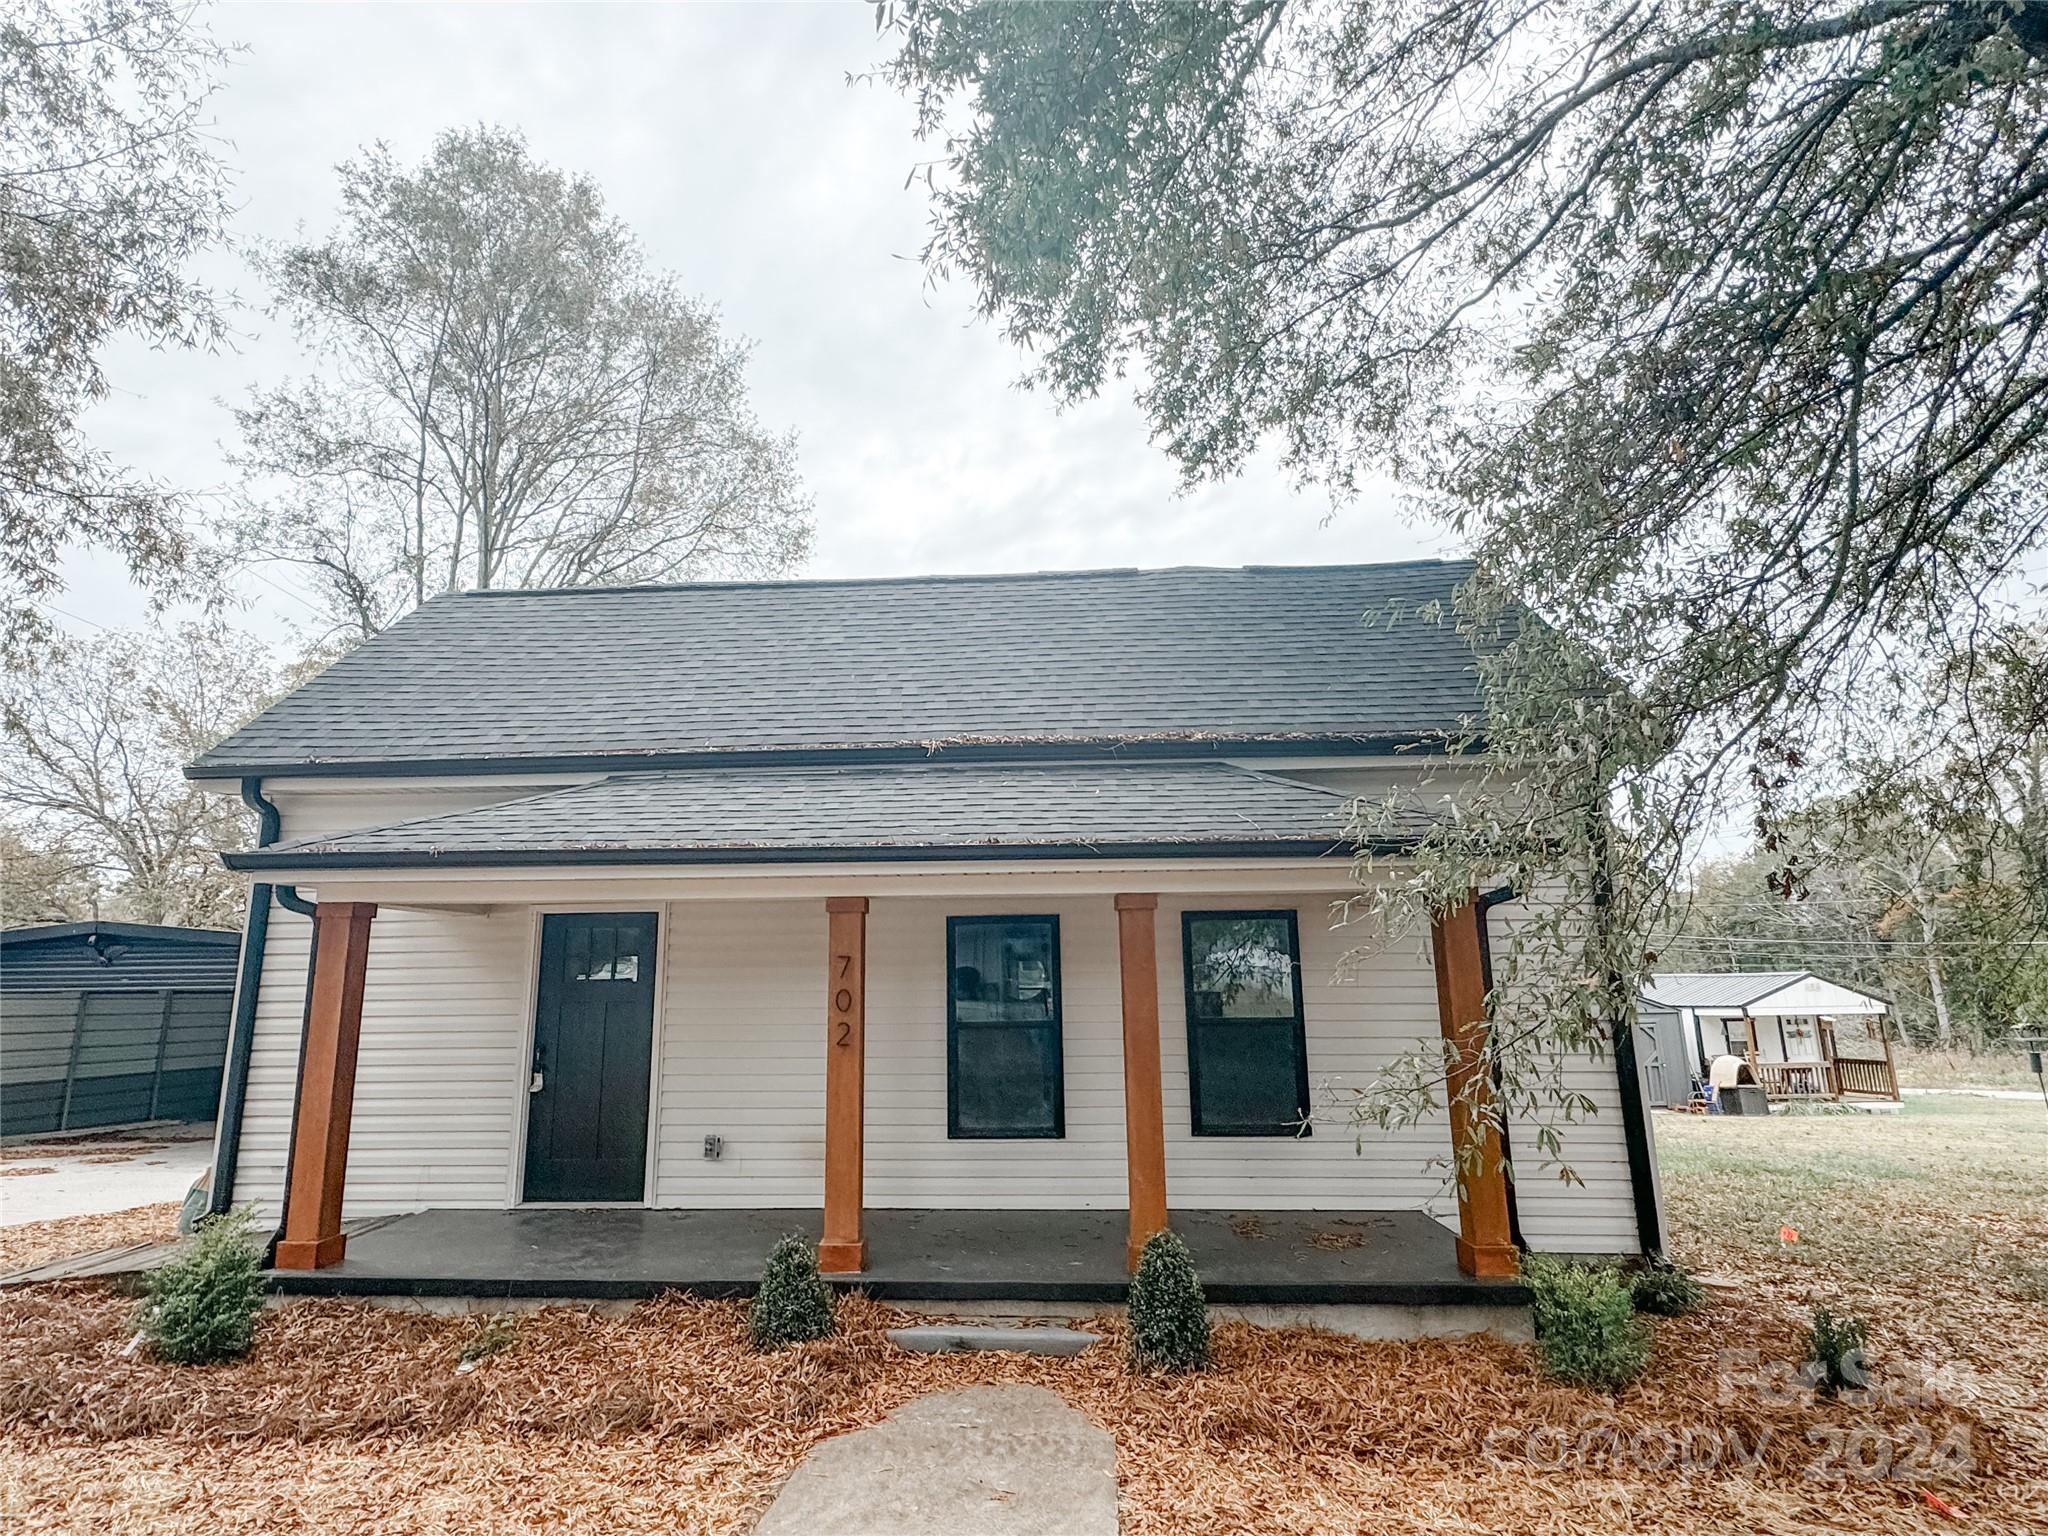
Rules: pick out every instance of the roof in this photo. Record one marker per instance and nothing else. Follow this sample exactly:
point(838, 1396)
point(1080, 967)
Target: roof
point(118, 957)
point(225, 937)
point(896, 812)
point(1191, 661)
point(1731, 989)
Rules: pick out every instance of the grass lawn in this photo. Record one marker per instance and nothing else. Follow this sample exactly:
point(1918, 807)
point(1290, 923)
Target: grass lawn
point(1959, 1069)
point(348, 1419)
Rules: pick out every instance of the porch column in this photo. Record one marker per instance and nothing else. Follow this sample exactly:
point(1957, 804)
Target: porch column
point(843, 1251)
point(1144, 1111)
point(327, 1086)
point(1484, 1246)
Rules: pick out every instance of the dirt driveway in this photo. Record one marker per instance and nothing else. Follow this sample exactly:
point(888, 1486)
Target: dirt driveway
point(50, 1178)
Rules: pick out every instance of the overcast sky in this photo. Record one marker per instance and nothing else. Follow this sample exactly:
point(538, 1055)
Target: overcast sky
point(728, 138)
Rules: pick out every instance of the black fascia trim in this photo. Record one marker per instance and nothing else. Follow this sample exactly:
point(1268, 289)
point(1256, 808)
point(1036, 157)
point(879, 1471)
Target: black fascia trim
point(1135, 747)
point(977, 853)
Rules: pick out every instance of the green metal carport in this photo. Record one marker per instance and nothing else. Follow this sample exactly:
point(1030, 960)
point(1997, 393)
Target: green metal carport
point(108, 1023)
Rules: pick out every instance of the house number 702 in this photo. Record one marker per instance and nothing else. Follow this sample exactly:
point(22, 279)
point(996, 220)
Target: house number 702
point(842, 1003)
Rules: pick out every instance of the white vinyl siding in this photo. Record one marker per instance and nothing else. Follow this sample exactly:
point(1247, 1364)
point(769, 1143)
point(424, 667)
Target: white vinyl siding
point(743, 1054)
point(438, 1074)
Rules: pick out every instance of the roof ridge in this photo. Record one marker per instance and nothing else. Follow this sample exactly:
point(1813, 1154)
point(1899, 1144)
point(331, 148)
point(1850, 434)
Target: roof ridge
point(947, 578)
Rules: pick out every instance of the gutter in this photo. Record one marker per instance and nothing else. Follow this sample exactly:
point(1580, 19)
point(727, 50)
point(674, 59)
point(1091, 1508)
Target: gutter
point(315, 857)
point(1488, 900)
point(959, 750)
point(227, 1147)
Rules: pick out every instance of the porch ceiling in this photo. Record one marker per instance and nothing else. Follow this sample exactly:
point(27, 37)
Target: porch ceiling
point(857, 815)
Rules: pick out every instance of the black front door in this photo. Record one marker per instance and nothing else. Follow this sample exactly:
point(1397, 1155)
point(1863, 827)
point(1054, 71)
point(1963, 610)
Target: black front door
point(593, 1043)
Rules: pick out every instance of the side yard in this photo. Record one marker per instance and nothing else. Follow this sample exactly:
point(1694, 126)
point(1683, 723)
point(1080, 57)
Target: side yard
point(1929, 1223)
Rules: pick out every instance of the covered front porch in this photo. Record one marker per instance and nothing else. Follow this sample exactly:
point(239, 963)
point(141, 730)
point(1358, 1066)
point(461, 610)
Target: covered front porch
point(1300, 1258)
point(564, 1031)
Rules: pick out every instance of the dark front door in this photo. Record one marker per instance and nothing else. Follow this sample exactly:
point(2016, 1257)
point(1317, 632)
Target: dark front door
point(593, 1043)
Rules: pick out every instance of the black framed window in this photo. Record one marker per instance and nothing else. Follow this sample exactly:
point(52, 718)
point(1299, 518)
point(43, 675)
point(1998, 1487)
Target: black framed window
point(1003, 1072)
point(1247, 1047)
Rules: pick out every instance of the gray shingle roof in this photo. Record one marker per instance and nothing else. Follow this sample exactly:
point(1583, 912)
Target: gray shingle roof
point(896, 811)
point(1717, 989)
point(989, 665)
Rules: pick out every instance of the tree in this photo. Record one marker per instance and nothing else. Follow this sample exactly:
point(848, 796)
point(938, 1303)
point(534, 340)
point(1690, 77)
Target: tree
point(44, 881)
point(1921, 878)
point(511, 399)
point(96, 736)
point(1715, 327)
point(109, 186)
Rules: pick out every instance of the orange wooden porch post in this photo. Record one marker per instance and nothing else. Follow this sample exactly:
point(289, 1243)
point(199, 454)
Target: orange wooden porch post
point(843, 1251)
point(1484, 1245)
point(1144, 1110)
point(327, 1087)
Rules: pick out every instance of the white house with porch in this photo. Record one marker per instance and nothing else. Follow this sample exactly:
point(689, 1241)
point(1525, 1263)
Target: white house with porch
point(979, 926)
point(1800, 1035)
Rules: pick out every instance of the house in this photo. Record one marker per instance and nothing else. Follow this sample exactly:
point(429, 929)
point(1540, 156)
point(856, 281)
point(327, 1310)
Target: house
point(1802, 1036)
point(112, 1023)
point(979, 926)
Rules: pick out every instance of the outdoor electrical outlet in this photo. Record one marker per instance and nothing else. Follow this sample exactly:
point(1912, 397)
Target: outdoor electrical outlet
point(714, 1146)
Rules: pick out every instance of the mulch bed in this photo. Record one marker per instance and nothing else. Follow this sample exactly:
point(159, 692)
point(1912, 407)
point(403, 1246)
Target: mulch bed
point(31, 1243)
point(354, 1418)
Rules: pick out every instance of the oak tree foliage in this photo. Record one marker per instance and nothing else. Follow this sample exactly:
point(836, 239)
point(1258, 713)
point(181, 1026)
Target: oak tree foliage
point(1714, 328)
point(110, 185)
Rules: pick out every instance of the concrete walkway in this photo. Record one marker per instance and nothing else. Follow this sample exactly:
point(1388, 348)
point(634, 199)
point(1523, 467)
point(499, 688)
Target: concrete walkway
point(96, 1174)
point(989, 1461)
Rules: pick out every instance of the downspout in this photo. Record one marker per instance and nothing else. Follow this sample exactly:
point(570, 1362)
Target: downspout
point(1488, 900)
point(242, 1025)
point(1635, 1120)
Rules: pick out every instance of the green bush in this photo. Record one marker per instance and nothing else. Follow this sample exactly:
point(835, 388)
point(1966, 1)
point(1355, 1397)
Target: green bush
point(202, 1306)
point(1169, 1317)
point(1587, 1330)
point(794, 1303)
point(1667, 1291)
point(494, 1337)
point(1834, 1352)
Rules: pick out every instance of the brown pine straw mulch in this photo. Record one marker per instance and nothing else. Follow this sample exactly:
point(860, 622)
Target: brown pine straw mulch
point(349, 1418)
point(30, 1243)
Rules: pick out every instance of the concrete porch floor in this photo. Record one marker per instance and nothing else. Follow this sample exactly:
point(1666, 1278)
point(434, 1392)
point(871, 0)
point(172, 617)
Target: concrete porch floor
point(1304, 1258)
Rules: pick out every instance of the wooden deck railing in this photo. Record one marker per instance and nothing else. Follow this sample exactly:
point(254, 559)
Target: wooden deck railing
point(1795, 1079)
point(1872, 1076)
point(1862, 1074)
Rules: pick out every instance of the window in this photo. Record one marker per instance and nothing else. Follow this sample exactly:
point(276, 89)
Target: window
point(601, 950)
point(1003, 1027)
point(1247, 1055)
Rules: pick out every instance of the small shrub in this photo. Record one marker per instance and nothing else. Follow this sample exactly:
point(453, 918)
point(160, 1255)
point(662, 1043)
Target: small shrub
point(1587, 1330)
point(1667, 1291)
point(497, 1335)
point(794, 1303)
point(202, 1306)
point(1834, 1352)
point(1169, 1316)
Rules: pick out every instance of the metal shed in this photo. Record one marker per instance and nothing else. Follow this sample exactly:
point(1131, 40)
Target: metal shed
point(107, 1023)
